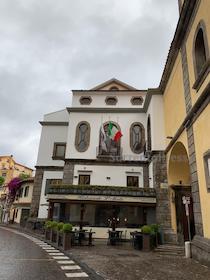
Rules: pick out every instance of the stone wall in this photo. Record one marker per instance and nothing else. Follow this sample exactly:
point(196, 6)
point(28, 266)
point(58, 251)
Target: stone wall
point(201, 249)
point(163, 212)
point(36, 193)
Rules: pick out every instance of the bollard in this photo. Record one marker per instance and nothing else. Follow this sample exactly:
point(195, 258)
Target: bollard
point(187, 249)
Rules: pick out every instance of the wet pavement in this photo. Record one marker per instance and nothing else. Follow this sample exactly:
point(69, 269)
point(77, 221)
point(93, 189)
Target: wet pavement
point(21, 259)
point(125, 263)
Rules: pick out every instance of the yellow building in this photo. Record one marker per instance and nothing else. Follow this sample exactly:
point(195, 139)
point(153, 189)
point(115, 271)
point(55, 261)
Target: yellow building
point(10, 169)
point(185, 86)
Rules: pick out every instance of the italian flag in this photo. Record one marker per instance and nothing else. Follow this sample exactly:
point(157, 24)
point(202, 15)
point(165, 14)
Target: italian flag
point(113, 132)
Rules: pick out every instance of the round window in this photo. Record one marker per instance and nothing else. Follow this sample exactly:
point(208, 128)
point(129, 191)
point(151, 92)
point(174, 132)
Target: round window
point(85, 100)
point(111, 100)
point(137, 100)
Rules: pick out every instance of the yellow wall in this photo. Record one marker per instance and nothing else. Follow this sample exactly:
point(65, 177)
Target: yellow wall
point(202, 144)
point(174, 109)
point(202, 14)
point(174, 103)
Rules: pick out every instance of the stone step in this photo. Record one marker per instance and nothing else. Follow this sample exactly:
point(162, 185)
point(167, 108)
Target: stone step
point(170, 250)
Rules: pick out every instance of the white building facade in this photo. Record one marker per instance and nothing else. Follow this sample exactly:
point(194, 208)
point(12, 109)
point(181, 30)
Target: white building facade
point(84, 177)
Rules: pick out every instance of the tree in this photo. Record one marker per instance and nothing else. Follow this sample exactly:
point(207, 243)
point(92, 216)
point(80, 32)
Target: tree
point(1, 180)
point(14, 185)
point(23, 176)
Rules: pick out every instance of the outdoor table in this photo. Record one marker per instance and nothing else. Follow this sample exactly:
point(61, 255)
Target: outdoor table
point(80, 236)
point(114, 237)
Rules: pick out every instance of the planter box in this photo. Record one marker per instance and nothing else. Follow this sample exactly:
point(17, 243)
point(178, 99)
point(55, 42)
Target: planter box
point(60, 239)
point(54, 236)
point(147, 242)
point(67, 240)
point(48, 234)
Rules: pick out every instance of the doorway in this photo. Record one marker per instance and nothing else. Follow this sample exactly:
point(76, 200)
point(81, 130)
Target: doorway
point(180, 181)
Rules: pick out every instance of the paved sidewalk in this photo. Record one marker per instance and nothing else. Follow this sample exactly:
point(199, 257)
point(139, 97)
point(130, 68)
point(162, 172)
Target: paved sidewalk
point(125, 263)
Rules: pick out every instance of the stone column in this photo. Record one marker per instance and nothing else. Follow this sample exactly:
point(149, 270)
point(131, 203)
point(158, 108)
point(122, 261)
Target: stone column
point(68, 173)
point(36, 193)
point(163, 211)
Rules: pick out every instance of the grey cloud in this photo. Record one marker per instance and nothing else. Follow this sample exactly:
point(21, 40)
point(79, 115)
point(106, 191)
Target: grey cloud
point(50, 47)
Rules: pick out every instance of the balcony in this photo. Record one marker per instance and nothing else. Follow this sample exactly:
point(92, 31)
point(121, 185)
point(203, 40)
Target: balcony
point(101, 190)
point(113, 154)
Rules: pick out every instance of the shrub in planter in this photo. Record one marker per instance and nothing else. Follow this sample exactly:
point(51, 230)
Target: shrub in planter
point(60, 226)
point(67, 228)
point(60, 234)
point(48, 226)
point(147, 239)
point(154, 234)
point(67, 236)
point(54, 231)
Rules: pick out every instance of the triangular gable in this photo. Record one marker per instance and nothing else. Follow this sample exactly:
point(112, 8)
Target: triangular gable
point(112, 83)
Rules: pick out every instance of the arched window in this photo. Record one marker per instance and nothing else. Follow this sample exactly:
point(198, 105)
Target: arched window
point(107, 146)
point(82, 138)
point(149, 140)
point(137, 138)
point(200, 50)
point(114, 88)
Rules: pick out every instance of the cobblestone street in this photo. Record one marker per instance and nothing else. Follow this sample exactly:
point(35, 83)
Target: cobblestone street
point(117, 263)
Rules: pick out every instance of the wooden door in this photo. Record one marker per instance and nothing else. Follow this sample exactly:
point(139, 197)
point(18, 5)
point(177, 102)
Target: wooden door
point(181, 218)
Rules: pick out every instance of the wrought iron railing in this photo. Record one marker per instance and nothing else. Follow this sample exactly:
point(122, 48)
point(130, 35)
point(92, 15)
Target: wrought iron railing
point(113, 153)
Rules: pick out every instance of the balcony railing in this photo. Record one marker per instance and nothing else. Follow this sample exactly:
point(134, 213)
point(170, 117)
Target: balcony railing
point(102, 190)
point(113, 153)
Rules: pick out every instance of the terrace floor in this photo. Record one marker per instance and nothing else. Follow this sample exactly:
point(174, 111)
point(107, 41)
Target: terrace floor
point(122, 262)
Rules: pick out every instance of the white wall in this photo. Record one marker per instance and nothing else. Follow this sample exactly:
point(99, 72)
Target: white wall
point(118, 174)
point(50, 135)
point(156, 113)
point(58, 116)
point(95, 120)
point(98, 99)
point(43, 205)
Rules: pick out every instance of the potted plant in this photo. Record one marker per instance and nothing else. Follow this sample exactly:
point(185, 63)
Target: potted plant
point(146, 232)
point(60, 234)
point(154, 234)
point(67, 236)
point(53, 237)
point(47, 227)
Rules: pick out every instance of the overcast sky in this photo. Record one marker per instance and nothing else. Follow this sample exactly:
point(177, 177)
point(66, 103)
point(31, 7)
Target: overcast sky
point(48, 47)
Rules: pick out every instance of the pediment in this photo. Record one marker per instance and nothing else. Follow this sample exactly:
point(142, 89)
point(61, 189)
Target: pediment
point(113, 84)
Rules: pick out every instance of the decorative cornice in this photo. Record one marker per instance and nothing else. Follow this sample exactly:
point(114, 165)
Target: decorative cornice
point(106, 162)
point(48, 123)
point(181, 29)
point(104, 110)
point(49, 168)
point(106, 90)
